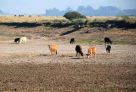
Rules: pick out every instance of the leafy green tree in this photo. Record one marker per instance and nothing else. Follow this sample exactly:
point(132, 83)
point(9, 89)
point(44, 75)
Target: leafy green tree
point(73, 15)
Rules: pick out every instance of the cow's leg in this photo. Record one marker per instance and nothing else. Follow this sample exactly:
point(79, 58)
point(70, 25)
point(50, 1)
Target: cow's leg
point(94, 55)
point(76, 54)
point(56, 52)
point(88, 55)
point(51, 53)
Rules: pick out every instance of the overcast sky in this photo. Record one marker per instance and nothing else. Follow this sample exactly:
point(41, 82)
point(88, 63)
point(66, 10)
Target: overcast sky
point(39, 6)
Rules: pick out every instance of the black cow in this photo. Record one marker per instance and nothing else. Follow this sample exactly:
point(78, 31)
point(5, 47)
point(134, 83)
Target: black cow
point(108, 48)
point(17, 40)
point(72, 40)
point(78, 50)
point(107, 40)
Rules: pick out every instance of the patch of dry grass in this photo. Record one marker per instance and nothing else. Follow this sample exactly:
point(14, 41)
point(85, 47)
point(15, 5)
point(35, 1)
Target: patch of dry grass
point(131, 19)
point(68, 77)
point(8, 19)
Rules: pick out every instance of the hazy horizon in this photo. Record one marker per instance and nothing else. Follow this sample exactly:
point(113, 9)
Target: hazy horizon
point(39, 7)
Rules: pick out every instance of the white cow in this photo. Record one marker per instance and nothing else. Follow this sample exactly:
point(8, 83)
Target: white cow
point(23, 40)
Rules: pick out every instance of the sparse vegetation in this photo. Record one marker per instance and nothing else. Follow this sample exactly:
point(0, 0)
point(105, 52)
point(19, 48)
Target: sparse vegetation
point(99, 42)
point(59, 22)
point(33, 19)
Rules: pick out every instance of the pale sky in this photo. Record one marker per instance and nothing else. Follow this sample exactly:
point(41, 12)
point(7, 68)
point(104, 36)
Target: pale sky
point(39, 6)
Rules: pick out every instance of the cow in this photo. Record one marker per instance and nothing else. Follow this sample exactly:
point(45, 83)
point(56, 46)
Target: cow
point(53, 49)
point(107, 40)
point(78, 50)
point(17, 40)
point(91, 51)
point(20, 40)
point(108, 48)
point(23, 40)
point(72, 40)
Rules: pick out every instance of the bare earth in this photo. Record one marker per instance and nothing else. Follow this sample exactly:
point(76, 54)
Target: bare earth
point(29, 67)
point(36, 51)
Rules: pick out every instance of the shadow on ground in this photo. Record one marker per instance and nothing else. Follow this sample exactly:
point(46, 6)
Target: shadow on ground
point(23, 24)
point(69, 32)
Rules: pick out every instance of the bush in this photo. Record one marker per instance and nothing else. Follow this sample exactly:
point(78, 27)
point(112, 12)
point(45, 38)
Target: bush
point(60, 23)
point(73, 15)
point(79, 22)
point(76, 21)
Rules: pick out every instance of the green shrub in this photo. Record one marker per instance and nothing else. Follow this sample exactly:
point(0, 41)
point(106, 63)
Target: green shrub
point(73, 15)
point(80, 20)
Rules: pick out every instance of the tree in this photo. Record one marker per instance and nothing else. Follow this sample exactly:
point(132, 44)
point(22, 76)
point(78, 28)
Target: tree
point(73, 15)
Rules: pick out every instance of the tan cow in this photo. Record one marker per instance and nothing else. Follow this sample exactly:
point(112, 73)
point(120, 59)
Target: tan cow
point(91, 51)
point(53, 49)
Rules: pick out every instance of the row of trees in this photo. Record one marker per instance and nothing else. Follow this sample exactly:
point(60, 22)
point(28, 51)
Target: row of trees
point(78, 21)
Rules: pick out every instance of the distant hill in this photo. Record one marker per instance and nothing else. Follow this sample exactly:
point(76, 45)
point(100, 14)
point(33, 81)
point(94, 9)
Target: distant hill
point(56, 12)
point(89, 11)
point(129, 12)
point(2, 13)
point(108, 11)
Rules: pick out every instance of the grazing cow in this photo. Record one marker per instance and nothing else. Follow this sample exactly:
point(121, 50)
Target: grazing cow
point(23, 40)
point(17, 40)
point(53, 49)
point(91, 51)
point(78, 50)
point(108, 48)
point(107, 40)
point(20, 40)
point(72, 40)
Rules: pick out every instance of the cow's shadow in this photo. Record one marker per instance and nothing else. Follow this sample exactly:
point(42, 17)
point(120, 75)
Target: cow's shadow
point(71, 31)
point(76, 58)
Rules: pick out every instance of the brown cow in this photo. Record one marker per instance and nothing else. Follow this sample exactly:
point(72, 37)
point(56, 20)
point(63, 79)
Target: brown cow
point(91, 51)
point(53, 49)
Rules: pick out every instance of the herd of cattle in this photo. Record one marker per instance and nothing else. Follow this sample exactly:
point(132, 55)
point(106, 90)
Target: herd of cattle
point(53, 47)
point(92, 50)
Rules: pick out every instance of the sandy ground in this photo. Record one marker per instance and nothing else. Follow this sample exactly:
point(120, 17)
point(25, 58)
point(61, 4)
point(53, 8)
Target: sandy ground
point(36, 51)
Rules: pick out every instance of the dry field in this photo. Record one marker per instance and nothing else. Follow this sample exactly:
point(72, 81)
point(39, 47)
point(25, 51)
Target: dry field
point(31, 19)
point(8, 19)
point(29, 67)
point(59, 77)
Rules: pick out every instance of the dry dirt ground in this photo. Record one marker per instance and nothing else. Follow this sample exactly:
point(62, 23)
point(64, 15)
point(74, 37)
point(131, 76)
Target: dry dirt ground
point(29, 67)
point(37, 51)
